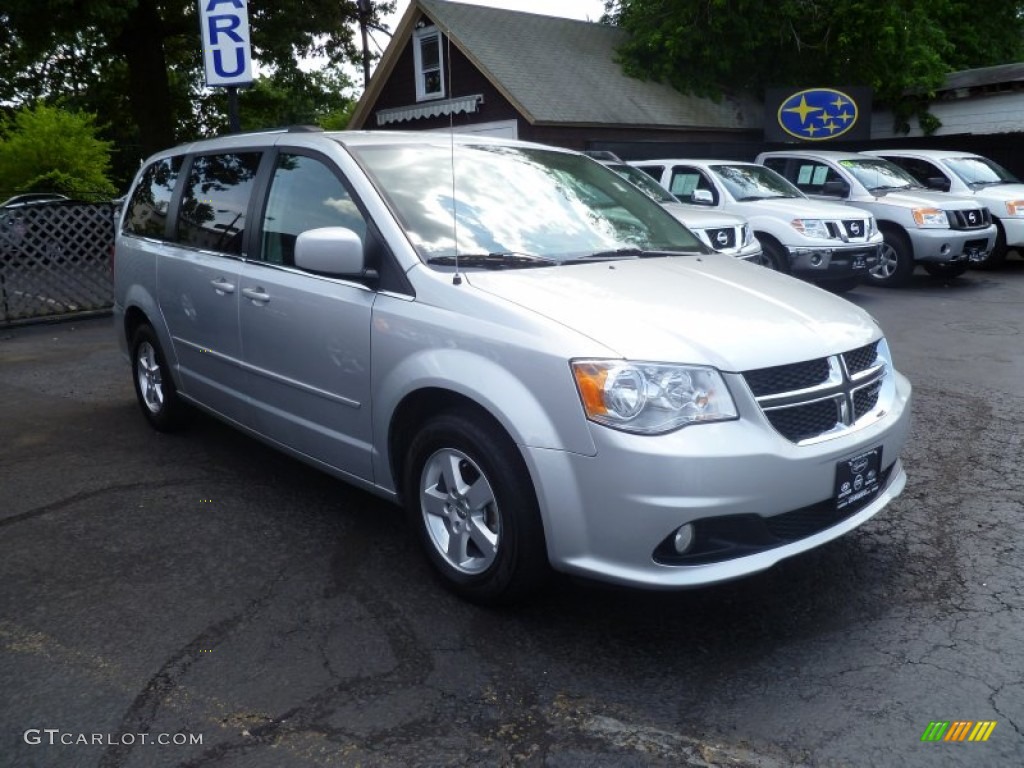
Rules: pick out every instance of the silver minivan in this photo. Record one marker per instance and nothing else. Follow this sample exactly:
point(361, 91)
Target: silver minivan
point(540, 362)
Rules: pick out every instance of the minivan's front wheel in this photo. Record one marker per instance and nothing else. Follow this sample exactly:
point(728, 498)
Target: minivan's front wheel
point(154, 386)
point(470, 500)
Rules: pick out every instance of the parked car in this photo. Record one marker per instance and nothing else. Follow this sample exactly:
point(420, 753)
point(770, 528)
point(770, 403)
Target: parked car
point(720, 231)
point(552, 371)
point(943, 233)
point(969, 175)
point(820, 242)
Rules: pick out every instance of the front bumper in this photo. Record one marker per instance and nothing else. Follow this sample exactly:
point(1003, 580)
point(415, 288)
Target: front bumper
point(952, 245)
point(817, 262)
point(606, 515)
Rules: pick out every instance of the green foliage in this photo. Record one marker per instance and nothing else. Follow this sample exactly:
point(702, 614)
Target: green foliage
point(46, 149)
point(897, 47)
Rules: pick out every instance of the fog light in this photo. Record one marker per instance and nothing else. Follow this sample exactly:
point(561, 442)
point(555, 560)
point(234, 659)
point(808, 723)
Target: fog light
point(683, 539)
point(944, 249)
point(816, 260)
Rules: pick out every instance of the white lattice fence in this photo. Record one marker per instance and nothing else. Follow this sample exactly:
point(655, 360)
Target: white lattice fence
point(55, 259)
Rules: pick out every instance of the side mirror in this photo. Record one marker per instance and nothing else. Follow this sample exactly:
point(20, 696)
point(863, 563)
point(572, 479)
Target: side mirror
point(702, 197)
point(837, 188)
point(330, 250)
point(941, 183)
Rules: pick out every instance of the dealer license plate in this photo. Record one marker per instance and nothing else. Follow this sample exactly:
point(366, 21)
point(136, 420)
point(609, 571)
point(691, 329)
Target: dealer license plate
point(859, 478)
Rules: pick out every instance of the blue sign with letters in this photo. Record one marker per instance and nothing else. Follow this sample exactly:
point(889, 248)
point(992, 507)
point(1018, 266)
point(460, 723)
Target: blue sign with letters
point(227, 54)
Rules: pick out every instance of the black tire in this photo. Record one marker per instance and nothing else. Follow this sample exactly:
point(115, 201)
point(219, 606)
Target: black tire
point(945, 270)
point(154, 386)
point(998, 254)
point(895, 263)
point(773, 255)
point(844, 285)
point(484, 535)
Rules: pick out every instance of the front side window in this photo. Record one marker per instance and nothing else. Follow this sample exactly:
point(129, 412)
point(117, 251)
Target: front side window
point(304, 195)
point(811, 177)
point(517, 204)
point(147, 211)
point(685, 181)
point(429, 64)
point(216, 201)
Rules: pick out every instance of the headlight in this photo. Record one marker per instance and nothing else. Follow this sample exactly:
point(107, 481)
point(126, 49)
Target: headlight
point(872, 227)
point(748, 235)
point(811, 228)
point(931, 217)
point(1015, 207)
point(651, 398)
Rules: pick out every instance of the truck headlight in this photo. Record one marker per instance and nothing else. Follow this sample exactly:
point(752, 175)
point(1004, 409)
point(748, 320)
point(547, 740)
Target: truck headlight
point(1015, 207)
point(811, 228)
point(651, 398)
point(748, 235)
point(931, 218)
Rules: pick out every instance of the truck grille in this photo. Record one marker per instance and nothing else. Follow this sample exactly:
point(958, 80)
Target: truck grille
point(723, 238)
point(815, 399)
point(969, 218)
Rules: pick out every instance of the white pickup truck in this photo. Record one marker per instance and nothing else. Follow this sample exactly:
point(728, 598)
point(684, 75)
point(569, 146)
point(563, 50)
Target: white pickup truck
point(968, 175)
point(944, 233)
point(825, 243)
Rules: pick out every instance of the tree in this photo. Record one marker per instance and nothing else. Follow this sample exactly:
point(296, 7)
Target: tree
point(137, 63)
point(901, 48)
point(45, 149)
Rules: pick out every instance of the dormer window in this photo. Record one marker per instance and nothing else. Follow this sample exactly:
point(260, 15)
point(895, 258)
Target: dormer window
point(429, 64)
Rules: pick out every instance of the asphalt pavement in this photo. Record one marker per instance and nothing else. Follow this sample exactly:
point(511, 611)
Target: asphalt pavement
point(200, 600)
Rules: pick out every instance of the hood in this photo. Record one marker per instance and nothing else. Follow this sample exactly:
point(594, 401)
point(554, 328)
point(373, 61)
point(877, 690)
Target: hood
point(697, 217)
point(794, 208)
point(1000, 193)
point(711, 310)
point(923, 198)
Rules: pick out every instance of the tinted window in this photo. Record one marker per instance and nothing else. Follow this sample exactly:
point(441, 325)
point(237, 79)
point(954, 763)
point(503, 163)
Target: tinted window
point(216, 200)
point(686, 180)
point(811, 177)
point(921, 170)
point(304, 194)
point(147, 211)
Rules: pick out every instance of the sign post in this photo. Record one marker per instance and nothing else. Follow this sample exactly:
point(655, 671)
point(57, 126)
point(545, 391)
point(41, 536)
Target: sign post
point(227, 55)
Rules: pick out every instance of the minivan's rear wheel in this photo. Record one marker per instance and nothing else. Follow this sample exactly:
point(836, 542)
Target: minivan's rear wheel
point(470, 500)
point(895, 261)
point(154, 386)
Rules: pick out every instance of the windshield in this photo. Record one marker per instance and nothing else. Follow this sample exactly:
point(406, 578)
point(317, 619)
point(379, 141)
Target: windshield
point(523, 202)
point(643, 180)
point(980, 171)
point(878, 174)
point(754, 182)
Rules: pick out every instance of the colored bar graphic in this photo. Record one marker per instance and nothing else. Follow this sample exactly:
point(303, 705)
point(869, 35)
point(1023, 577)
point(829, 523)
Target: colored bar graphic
point(958, 730)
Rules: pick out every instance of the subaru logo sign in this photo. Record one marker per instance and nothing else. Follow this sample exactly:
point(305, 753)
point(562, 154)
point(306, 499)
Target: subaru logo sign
point(818, 114)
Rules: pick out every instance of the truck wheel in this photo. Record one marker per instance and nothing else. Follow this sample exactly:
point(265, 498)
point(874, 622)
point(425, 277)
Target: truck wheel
point(470, 500)
point(944, 270)
point(773, 255)
point(895, 263)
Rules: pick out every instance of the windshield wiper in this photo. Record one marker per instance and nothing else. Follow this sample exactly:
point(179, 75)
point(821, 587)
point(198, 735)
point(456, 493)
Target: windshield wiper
point(630, 253)
point(509, 260)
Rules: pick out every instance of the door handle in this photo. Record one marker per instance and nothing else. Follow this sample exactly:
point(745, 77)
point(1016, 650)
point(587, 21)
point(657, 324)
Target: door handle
point(256, 294)
point(222, 286)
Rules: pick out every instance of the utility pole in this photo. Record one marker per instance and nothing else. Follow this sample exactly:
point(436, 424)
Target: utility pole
point(365, 10)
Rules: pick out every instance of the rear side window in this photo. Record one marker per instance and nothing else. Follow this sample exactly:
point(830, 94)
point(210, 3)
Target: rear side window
point(216, 201)
point(147, 211)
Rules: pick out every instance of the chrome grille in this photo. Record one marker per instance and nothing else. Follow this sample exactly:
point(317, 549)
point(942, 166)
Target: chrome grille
point(816, 399)
point(722, 238)
point(969, 218)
